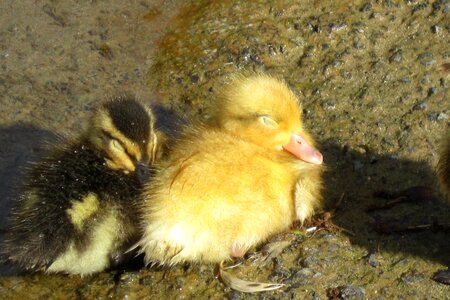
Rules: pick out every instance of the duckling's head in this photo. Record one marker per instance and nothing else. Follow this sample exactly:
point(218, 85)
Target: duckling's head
point(264, 111)
point(122, 129)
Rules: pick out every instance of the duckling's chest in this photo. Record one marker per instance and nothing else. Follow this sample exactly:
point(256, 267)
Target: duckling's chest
point(230, 179)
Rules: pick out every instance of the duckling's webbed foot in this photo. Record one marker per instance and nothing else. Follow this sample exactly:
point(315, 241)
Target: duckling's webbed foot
point(244, 285)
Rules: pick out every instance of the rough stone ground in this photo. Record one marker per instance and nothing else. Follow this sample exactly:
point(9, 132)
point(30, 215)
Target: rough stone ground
point(375, 91)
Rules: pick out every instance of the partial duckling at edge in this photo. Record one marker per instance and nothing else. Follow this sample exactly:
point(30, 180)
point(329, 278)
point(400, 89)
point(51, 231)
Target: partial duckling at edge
point(443, 168)
point(77, 213)
point(443, 172)
point(226, 189)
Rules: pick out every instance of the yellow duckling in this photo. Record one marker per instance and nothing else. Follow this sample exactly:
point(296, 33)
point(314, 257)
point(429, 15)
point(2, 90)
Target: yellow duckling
point(224, 190)
point(77, 214)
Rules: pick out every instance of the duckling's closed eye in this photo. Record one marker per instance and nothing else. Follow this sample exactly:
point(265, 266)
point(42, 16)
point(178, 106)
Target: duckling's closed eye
point(267, 121)
point(117, 157)
point(116, 144)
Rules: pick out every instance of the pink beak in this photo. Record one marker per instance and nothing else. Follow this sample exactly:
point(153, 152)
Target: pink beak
point(299, 147)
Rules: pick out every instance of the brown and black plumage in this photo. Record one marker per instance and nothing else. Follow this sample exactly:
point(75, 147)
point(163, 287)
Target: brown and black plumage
point(77, 212)
point(443, 172)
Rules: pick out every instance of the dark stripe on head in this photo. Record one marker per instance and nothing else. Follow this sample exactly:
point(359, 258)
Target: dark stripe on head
point(130, 118)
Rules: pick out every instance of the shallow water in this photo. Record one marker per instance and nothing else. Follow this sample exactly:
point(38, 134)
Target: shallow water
point(374, 95)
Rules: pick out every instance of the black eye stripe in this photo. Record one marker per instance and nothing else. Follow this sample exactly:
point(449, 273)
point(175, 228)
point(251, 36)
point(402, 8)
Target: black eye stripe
point(108, 135)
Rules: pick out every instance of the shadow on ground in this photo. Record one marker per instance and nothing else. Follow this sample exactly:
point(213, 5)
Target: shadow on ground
point(21, 143)
point(357, 176)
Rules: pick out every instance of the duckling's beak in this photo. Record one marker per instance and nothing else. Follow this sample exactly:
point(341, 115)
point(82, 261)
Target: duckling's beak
point(142, 172)
point(299, 147)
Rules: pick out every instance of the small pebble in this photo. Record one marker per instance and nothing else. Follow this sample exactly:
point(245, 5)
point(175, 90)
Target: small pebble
point(234, 295)
point(309, 261)
point(352, 292)
point(302, 277)
point(388, 3)
point(346, 74)
point(329, 105)
point(426, 59)
point(195, 78)
point(337, 63)
point(432, 91)
point(420, 106)
point(438, 116)
point(405, 80)
point(366, 7)
point(374, 15)
point(425, 80)
point(358, 45)
point(328, 236)
point(127, 278)
point(447, 8)
point(147, 280)
point(396, 57)
point(279, 275)
point(337, 26)
point(357, 165)
point(437, 5)
point(333, 248)
point(442, 116)
point(419, 7)
point(314, 295)
point(411, 278)
point(180, 280)
point(373, 261)
point(436, 29)
point(442, 277)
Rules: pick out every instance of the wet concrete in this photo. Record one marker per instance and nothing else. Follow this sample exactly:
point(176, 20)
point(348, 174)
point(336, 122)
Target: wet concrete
point(375, 95)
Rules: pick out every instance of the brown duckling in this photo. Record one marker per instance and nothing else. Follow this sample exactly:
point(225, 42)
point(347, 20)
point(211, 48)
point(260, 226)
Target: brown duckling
point(224, 190)
point(443, 167)
point(443, 171)
point(77, 212)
